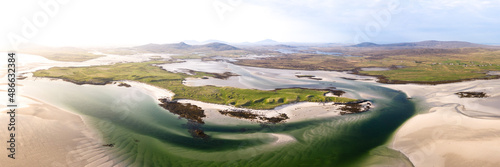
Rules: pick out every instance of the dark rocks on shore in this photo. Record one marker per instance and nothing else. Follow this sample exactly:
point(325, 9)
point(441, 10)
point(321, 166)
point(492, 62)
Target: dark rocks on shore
point(337, 92)
point(198, 133)
point(239, 114)
point(109, 145)
point(354, 79)
point(308, 76)
point(188, 111)
point(90, 82)
point(194, 128)
point(123, 84)
point(224, 75)
point(246, 114)
point(282, 117)
point(192, 113)
point(354, 107)
point(471, 94)
point(304, 76)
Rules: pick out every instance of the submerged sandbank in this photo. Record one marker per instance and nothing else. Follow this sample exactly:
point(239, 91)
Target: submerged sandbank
point(50, 136)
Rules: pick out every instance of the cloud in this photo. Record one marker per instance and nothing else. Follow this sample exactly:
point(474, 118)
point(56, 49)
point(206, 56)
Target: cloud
point(115, 22)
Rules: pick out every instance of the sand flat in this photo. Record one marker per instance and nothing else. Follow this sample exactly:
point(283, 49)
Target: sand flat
point(452, 131)
point(50, 136)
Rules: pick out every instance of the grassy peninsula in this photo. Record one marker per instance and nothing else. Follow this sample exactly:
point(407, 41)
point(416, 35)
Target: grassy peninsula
point(147, 73)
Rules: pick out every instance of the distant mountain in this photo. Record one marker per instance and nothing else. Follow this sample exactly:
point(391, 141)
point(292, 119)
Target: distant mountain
point(285, 46)
point(214, 41)
point(181, 47)
point(195, 42)
point(424, 44)
point(366, 44)
point(267, 42)
point(220, 46)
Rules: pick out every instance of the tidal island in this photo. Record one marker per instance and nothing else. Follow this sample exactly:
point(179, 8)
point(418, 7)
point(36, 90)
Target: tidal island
point(150, 73)
point(147, 72)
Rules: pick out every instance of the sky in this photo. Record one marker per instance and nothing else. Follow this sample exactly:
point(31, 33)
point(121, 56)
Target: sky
point(129, 23)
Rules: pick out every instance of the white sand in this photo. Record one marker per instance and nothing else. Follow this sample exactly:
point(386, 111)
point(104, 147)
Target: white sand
point(49, 136)
point(54, 137)
point(296, 112)
point(454, 131)
point(153, 91)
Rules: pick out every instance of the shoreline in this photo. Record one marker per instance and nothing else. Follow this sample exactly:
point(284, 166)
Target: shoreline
point(160, 93)
point(296, 111)
point(55, 131)
point(438, 134)
point(299, 111)
point(385, 80)
point(381, 78)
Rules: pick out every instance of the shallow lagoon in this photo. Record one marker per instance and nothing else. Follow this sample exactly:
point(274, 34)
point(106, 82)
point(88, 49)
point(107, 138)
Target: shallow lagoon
point(144, 134)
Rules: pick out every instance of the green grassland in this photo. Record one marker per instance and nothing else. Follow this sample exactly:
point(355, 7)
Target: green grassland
point(420, 65)
point(439, 68)
point(147, 73)
point(438, 72)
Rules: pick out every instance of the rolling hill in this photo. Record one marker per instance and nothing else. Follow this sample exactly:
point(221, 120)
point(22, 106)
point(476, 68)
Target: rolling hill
point(183, 47)
point(426, 44)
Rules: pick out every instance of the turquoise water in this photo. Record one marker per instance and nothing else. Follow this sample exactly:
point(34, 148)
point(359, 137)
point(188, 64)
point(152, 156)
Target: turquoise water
point(145, 134)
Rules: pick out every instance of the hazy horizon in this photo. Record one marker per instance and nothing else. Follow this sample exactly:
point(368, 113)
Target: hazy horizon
point(120, 23)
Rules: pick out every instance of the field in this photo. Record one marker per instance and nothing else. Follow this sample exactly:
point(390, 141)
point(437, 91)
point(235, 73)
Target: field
point(147, 73)
point(430, 66)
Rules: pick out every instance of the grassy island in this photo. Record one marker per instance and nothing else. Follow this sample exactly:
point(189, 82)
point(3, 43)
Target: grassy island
point(146, 72)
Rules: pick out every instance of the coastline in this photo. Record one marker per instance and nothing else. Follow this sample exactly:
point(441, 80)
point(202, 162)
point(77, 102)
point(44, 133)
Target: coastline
point(49, 130)
point(385, 80)
point(296, 112)
point(439, 134)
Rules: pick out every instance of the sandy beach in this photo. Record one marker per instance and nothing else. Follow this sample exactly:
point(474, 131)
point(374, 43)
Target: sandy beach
point(296, 112)
point(452, 131)
point(445, 126)
point(153, 91)
point(50, 136)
